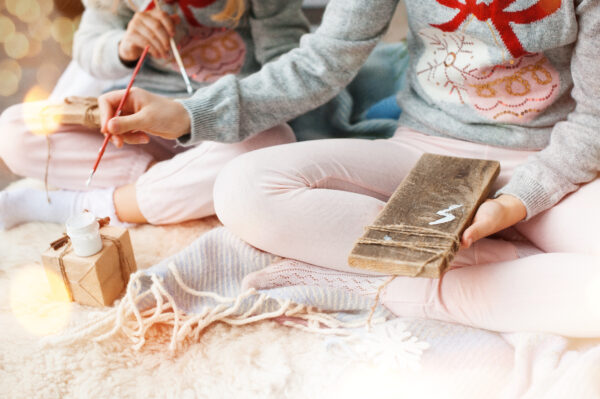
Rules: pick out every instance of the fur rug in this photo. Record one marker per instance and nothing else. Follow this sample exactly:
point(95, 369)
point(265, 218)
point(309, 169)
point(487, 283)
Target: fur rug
point(263, 360)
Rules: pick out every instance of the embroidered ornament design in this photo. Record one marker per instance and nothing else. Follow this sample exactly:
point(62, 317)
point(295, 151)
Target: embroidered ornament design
point(448, 61)
point(457, 69)
point(514, 93)
point(210, 53)
point(496, 12)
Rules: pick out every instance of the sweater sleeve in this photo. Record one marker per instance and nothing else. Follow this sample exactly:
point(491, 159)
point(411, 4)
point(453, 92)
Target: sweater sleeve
point(276, 27)
point(96, 42)
point(573, 155)
point(304, 78)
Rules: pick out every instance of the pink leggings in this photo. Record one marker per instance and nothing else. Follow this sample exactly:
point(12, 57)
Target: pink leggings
point(177, 188)
point(310, 201)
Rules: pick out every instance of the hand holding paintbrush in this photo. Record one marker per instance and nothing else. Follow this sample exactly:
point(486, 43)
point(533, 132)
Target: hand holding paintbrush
point(152, 28)
point(117, 113)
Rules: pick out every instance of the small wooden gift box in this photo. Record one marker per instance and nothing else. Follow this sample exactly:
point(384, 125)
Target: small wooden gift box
point(73, 111)
point(95, 280)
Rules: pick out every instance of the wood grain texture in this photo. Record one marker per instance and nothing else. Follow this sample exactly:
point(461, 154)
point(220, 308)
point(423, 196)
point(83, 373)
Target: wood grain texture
point(434, 184)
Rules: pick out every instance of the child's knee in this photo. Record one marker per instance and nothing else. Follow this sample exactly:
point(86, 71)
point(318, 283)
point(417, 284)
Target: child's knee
point(231, 192)
point(243, 198)
point(13, 140)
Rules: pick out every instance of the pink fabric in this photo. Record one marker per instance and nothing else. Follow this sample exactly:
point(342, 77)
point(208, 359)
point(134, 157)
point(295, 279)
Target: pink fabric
point(177, 188)
point(310, 201)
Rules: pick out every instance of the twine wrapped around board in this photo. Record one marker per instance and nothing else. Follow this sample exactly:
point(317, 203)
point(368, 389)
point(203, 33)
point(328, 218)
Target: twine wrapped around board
point(444, 251)
point(65, 242)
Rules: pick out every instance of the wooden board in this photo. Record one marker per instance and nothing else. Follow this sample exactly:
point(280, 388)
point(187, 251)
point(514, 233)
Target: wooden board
point(440, 194)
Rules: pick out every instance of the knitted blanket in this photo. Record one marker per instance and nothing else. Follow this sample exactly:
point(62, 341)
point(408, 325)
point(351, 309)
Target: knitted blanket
point(220, 278)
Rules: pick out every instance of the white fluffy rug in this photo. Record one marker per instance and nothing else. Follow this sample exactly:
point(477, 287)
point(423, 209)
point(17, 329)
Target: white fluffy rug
point(264, 360)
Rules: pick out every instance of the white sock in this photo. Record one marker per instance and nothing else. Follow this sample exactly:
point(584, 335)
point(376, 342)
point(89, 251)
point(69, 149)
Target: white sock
point(24, 205)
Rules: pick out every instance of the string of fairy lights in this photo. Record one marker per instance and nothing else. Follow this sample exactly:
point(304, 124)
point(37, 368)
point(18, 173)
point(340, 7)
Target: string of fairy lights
point(34, 34)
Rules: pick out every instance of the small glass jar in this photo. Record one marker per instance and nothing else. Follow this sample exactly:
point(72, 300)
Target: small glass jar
point(84, 231)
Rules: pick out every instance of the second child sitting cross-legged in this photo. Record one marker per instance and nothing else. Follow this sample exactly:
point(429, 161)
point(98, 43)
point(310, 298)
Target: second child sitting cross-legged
point(157, 182)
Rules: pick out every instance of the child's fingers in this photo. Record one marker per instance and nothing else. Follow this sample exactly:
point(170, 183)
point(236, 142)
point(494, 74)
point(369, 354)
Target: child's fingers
point(107, 104)
point(135, 138)
point(143, 38)
point(117, 141)
point(471, 234)
point(126, 124)
point(156, 32)
point(165, 20)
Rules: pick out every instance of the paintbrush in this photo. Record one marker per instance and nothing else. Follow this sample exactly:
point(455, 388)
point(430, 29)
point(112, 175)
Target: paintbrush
point(178, 59)
point(117, 113)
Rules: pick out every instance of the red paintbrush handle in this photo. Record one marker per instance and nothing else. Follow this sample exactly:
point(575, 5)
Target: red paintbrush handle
point(121, 103)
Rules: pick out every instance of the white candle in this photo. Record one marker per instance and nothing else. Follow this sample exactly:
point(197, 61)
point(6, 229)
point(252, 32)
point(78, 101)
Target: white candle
point(84, 231)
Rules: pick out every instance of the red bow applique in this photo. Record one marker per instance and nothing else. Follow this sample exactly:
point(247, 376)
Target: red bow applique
point(185, 7)
point(501, 19)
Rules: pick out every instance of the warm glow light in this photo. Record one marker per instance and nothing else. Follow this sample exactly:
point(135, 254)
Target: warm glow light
point(28, 11)
point(7, 28)
point(16, 45)
point(35, 47)
point(67, 47)
point(40, 309)
point(46, 6)
point(37, 121)
point(47, 75)
point(11, 6)
point(9, 82)
point(40, 30)
point(62, 29)
point(12, 66)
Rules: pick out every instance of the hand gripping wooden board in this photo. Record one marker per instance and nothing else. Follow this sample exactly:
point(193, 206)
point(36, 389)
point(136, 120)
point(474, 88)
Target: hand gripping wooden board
point(418, 231)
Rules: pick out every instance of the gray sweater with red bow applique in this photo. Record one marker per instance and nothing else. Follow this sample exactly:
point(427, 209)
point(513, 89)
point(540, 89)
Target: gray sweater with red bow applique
point(513, 73)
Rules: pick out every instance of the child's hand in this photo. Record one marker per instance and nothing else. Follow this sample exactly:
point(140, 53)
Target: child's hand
point(143, 113)
point(153, 28)
point(492, 216)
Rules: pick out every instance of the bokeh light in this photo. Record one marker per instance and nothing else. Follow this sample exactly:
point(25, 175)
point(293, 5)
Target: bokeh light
point(11, 6)
point(46, 6)
point(28, 10)
point(9, 83)
point(35, 47)
point(67, 47)
point(12, 66)
point(40, 30)
point(37, 121)
point(36, 36)
point(39, 301)
point(62, 29)
point(47, 75)
point(7, 28)
point(16, 45)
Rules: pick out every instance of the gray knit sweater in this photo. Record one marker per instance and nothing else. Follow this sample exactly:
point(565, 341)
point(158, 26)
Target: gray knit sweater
point(512, 73)
point(209, 49)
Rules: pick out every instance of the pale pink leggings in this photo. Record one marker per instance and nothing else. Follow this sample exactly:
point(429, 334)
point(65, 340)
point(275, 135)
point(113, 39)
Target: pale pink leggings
point(310, 201)
point(177, 188)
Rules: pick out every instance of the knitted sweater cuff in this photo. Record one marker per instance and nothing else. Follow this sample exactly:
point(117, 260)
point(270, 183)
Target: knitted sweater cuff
point(203, 121)
point(529, 191)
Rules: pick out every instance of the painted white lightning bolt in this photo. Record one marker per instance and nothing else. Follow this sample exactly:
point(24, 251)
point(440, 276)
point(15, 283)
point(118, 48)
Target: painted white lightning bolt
point(448, 217)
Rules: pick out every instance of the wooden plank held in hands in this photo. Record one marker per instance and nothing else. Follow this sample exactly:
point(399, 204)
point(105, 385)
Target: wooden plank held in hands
point(418, 231)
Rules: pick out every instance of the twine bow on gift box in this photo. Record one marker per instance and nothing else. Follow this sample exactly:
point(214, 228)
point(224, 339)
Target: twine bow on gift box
point(65, 243)
point(74, 111)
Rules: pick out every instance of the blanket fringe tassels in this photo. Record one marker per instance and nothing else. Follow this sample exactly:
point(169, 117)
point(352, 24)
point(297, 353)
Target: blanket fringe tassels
point(134, 324)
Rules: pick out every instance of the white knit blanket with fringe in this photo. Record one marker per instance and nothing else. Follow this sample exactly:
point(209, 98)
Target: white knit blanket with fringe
point(218, 279)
